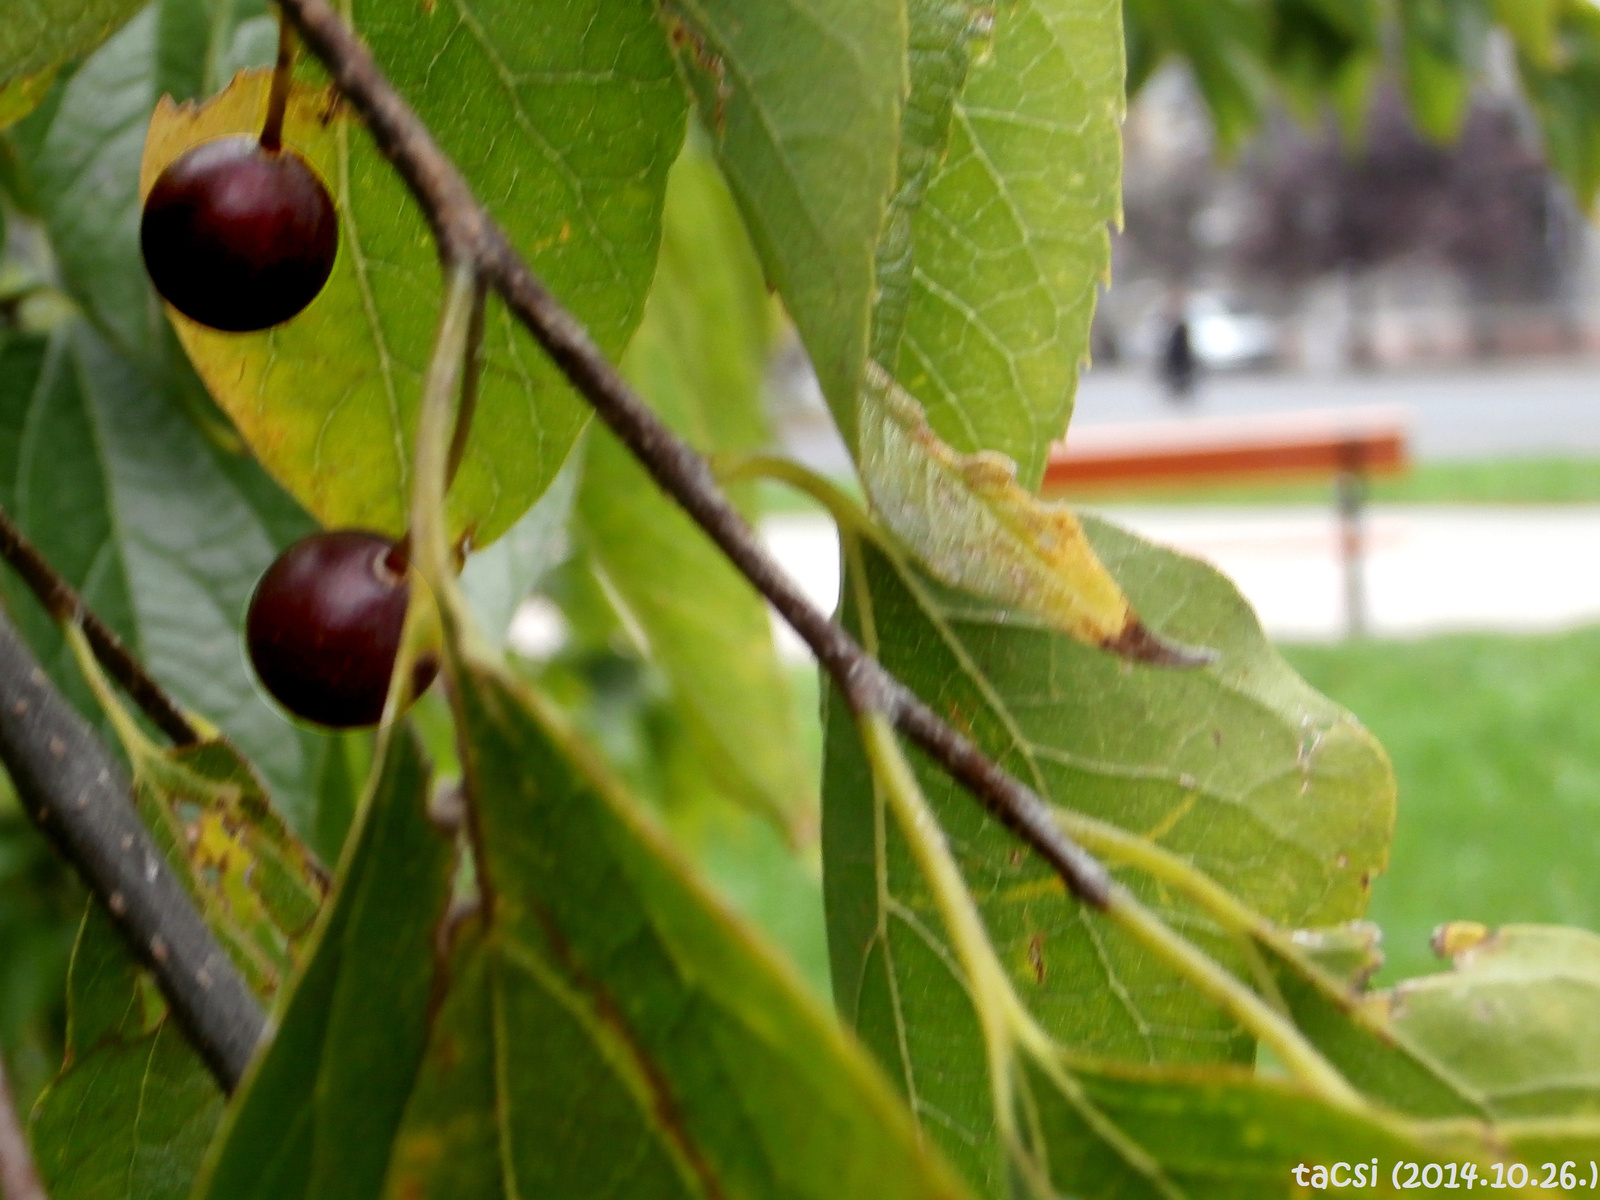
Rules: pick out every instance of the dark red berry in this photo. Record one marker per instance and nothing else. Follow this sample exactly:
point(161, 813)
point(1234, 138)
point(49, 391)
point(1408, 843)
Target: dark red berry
point(239, 237)
point(325, 624)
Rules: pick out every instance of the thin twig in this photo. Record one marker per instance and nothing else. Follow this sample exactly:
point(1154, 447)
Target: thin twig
point(278, 97)
point(76, 792)
point(19, 1179)
point(63, 603)
point(467, 233)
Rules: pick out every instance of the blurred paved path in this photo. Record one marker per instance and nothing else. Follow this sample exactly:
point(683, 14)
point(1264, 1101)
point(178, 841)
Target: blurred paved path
point(1513, 409)
point(1493, 410)
point(1429, 569)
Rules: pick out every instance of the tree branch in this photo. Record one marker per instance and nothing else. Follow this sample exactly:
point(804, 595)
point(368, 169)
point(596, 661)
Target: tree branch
point(466, 232)
point(19, 1179)
point(63, 603)
point(77, 793)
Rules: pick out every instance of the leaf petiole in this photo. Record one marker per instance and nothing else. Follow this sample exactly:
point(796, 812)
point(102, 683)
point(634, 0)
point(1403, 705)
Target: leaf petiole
point(846, 511)
point(282, 80)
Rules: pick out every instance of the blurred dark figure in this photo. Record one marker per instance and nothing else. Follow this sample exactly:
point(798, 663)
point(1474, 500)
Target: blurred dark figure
point(1179, 366)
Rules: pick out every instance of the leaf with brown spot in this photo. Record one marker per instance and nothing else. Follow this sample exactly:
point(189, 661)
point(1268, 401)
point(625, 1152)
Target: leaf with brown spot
point(133, 1108)
point(1121, 742)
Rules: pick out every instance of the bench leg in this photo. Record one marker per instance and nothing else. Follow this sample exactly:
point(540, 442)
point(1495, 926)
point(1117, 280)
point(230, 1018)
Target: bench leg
point(1351, 496)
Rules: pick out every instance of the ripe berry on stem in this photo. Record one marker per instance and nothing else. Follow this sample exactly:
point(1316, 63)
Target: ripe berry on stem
point(238, 234)
point(325, 625)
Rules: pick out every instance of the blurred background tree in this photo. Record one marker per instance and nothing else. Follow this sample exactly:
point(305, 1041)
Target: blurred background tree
point(1275, 145)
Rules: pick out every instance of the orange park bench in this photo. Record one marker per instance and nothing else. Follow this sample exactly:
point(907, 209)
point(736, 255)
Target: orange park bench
point(1346, 445)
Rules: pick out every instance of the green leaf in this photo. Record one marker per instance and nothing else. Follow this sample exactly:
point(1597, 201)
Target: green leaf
point(701, 621)
point(449, 1144)
point(700, 354)
point(699, 359)
point(1224, 43)
point(617, 1033)
point(1518, 1019)
point(1534, 25)
point(1377, 1056)
point(802, 100)
point(1442, 47)
point(1217, 1135)
point(1500, 819)
point(317, 1113)
point(996, 242)
point(1276, 793)
point(41, 908)
point(24, 94)
point(134, 1107)
point(574, 119)
point(998, 236)
point(1327, 49)
point(163, 532)
point(1562, 91)
point(34, 37)
point(84, 174)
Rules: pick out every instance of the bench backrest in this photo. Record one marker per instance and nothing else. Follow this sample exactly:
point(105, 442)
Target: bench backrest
point(1367, 440)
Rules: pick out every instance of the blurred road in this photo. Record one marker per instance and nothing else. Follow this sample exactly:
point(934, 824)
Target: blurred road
point(1484, 411)
point(1490, 410)
point(1434, 569)
point(1429, 569)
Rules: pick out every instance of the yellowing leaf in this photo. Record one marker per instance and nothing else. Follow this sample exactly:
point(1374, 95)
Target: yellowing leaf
point(21, 96)
point(299, 393)
point(134, 1107)
point(967, 519)
point(575, 160)
point(38, 37)
point(256, 883)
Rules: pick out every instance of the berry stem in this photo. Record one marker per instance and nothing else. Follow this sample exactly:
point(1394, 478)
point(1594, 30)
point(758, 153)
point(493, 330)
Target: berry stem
point(439, 428)
point(282, 78)
point(471, 369)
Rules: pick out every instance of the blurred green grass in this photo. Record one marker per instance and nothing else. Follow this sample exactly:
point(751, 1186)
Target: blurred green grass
point(1496, 746)
point(1551, 480)
point(1500, 481)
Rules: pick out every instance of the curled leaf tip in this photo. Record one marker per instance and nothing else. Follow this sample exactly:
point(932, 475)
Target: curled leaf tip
point(1452, 940)
point(1137, 642)
point(967, 520)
